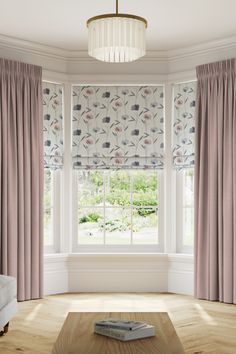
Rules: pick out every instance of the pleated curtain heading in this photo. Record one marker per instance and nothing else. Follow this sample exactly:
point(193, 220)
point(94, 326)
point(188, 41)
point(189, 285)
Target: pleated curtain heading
point(118, 127)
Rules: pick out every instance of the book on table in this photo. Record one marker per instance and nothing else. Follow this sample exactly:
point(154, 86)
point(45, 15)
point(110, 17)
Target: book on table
point(120, 324)
point(124, 330)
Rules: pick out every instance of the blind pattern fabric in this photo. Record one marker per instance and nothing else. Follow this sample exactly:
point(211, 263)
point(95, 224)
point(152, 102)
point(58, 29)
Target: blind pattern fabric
point(184, 96)
point(53, 125)
point(118, 127)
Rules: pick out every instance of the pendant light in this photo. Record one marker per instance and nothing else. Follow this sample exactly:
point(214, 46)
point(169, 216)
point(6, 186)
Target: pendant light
point(116, 37)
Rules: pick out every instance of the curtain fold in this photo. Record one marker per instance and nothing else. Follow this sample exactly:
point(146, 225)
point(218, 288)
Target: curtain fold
point(215, 182)
point(21, 176)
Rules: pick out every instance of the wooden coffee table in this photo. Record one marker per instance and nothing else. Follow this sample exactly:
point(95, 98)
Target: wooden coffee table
point(77, 337)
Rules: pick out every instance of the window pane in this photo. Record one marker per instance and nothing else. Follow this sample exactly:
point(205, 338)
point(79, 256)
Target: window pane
point(145, 201)
point(145, 225)
point(48, 208)
point(90, 226)
point(118, 226)
point(188, 208)
point(145, 187)
point(144, 181)
point(117, 191)
point(113, 204)
point(90, 188)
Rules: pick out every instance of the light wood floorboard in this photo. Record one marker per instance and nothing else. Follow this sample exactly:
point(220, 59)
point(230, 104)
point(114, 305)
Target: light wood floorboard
point(202, 326)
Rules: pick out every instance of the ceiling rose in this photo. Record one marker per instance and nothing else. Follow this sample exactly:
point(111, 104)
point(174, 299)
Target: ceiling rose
point(116, 37)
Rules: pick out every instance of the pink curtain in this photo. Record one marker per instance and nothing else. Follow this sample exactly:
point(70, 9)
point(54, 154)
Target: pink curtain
point(215, 186)
point(21, 176)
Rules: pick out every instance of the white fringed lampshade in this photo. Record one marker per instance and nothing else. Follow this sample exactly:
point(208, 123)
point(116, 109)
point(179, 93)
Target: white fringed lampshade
point(116, 38)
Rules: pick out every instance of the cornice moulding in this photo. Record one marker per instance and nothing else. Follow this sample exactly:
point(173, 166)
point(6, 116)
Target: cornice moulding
point(32, 47)
point(202, 49)
point(62, 54)
point(81, 55)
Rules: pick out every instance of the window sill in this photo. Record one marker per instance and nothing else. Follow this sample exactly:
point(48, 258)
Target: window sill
point(180, 256)
point(48, 256)
point(171, 256)
point(117, 254)
point(117, 249)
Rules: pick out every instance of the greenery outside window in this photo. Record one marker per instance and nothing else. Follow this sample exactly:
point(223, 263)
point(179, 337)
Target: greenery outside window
point(117, 208)
point(185, 211)
point(51, 210)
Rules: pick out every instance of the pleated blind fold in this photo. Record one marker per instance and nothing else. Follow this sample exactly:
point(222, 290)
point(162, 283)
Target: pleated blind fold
point(184, 96)
point(118, 127)
point(53, 125)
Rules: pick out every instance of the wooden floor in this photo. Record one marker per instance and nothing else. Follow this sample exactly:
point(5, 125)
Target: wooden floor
point(203, 327)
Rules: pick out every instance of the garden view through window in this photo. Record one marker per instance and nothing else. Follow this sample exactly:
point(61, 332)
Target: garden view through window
point(188, 208)
point(48, 208)
point(117, 207)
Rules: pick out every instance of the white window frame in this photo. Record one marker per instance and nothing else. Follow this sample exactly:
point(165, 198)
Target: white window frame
point(181, 247)
point(56, 213)
point(104, 248)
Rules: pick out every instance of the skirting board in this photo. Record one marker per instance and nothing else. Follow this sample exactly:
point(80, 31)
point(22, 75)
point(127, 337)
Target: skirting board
point(118, 273)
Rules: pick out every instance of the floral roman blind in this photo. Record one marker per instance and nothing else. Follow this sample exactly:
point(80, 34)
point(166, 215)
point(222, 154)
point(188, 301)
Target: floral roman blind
point(184, 96)
point(118, 127)
point(53, 125)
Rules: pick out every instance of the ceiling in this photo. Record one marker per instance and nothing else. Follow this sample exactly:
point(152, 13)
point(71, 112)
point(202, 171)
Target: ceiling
point(172, 24)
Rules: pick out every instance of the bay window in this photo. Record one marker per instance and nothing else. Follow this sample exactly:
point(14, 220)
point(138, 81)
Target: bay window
point(117, 168)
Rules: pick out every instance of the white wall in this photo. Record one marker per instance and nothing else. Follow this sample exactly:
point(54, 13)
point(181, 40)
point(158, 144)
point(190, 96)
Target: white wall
point(180, 274)
point(55, 274)
point(118, 272)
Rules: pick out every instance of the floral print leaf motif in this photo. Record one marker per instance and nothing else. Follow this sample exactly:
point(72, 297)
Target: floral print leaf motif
point(184, 125)
point(53, 125)
point(118, 127)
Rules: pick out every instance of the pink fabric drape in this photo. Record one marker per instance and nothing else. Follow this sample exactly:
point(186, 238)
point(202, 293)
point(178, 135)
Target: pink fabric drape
point(21, 176)
point(215, 182)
